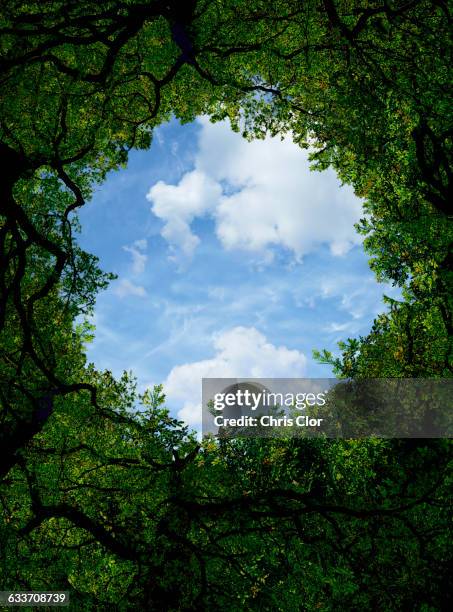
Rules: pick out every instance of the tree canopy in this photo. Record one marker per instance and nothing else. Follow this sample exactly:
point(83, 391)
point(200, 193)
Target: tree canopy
point(124, 507)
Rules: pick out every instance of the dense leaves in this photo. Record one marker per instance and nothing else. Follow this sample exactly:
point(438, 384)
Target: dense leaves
point(123, 516)
point(123, 507)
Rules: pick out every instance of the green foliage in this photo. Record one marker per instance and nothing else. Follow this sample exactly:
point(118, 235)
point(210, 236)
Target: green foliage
point(103, 493)
point(122, 513)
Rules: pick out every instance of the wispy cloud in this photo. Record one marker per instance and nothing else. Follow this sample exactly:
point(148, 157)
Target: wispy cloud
point(124, 287)
point(339, 327)
point(139, 257)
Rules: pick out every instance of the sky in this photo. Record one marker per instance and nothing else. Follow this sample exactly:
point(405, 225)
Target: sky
point(233, 260)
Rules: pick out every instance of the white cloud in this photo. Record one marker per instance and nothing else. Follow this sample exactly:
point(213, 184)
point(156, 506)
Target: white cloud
point(178, 205)
point(125, 287)
point(261, 194)
point(141, 244)
point(239, 352)
point(139, 257)
point(336, 327)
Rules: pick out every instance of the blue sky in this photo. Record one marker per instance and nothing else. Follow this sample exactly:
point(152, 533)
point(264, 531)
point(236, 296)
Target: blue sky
point(233, 260)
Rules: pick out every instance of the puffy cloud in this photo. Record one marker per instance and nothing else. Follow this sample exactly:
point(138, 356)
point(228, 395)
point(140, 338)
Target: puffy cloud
point(261, 194)
point(178, 205)
point(125, 288)
point(139, 257)
point(239, 352)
